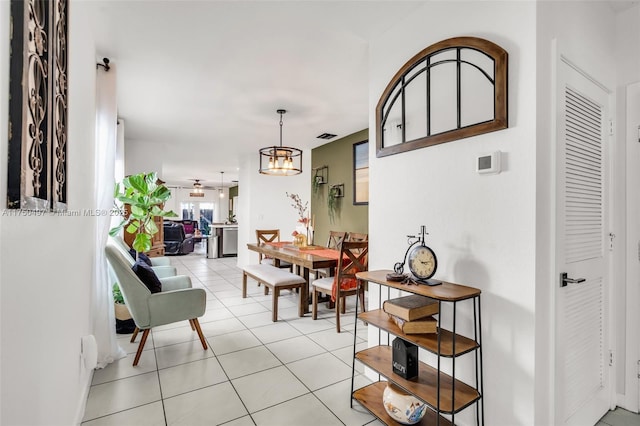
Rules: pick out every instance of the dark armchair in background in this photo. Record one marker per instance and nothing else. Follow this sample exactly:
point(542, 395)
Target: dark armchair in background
point(176, 241)
point(190, 226)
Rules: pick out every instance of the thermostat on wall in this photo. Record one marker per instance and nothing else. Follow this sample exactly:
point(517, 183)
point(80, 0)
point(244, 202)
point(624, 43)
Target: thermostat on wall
point(489, 163)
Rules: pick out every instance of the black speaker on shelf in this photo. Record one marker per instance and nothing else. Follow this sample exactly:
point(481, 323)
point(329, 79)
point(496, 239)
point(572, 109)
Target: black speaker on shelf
point(405, 358)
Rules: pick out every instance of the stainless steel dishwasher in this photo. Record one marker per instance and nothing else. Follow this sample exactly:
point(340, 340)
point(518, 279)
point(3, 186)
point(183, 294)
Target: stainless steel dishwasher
point(230, 241)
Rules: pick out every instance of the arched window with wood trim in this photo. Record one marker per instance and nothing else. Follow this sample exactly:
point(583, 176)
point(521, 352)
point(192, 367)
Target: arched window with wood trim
point(451, 90)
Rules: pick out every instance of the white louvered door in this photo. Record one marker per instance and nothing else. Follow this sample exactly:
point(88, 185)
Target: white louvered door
point(582, 356)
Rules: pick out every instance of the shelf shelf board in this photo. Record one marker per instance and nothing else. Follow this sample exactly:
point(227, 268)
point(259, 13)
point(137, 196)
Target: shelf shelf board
point(370, 397)
point(446, 291)
point(380, 319)
point(425, 385)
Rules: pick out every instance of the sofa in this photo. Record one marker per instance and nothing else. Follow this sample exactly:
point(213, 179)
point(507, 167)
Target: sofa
point(176, 241)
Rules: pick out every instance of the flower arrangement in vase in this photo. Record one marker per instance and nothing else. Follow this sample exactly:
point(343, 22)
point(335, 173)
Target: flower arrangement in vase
point(305, 227)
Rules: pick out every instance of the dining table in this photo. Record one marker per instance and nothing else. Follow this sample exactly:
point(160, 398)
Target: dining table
point(307, 258)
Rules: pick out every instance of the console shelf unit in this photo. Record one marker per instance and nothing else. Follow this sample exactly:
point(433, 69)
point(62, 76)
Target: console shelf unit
point(443, 393)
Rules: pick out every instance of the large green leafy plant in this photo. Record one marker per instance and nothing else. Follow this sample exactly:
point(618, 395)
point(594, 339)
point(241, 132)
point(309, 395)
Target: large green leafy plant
point(145, 196)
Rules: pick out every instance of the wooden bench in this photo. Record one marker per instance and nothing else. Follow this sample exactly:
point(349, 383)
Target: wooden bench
point(276, 279)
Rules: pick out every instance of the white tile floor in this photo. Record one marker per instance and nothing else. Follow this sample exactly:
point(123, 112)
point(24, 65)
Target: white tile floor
point(256, 372)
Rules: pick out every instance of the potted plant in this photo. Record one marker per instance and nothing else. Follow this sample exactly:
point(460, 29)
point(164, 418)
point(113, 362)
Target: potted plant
point(124, 321)
point(317, 182)
point(145, 195)
point(318, 178)
point(122, 313)
point(335, 192)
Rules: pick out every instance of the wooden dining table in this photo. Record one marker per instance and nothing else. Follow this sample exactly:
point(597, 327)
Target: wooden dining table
point(307, 258)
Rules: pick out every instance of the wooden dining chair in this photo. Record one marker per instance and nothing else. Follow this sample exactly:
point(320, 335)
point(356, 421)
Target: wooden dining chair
point(353, 258)
point(270, 236)
point(335, 238)
point(356, 236)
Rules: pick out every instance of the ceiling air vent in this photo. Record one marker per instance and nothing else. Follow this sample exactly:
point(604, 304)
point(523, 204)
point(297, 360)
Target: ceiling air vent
point(326, 136)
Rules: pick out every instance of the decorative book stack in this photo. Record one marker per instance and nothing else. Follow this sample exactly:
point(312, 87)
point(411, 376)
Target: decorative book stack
point(413, 314)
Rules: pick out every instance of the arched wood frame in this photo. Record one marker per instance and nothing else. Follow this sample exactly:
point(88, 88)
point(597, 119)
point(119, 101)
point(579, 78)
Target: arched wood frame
point(499, 81)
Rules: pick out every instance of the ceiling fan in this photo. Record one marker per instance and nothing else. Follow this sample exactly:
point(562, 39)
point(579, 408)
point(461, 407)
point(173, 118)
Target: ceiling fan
point(199, 187)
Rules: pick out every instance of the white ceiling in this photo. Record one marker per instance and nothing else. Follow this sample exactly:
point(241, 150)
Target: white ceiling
point(202, 80)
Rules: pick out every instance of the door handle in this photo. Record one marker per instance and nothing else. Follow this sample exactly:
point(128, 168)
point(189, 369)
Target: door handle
point(565, 280)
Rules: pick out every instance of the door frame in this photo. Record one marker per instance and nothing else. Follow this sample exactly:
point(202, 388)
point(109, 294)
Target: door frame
point(560, 57)
point(631, 138)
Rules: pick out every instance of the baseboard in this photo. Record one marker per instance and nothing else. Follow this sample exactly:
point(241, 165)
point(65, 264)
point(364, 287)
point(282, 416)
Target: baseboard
point(82, 404)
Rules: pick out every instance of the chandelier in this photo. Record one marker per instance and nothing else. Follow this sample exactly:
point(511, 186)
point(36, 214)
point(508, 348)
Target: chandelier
point(280, 160)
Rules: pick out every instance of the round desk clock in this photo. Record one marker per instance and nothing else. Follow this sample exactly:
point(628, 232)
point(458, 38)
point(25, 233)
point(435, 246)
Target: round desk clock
point(421, 260)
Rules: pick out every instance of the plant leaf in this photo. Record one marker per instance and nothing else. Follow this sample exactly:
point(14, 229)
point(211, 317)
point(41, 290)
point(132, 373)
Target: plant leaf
point(132, 228)
point(138, 183)
point(142, 243)
point(151, 227)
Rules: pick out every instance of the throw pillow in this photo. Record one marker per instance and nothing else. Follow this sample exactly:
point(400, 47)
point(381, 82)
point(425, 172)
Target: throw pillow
point(141, 256)
point(147, 276)
point(346, 284)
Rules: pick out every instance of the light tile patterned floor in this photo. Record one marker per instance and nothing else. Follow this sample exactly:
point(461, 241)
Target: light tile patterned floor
point(256, 372)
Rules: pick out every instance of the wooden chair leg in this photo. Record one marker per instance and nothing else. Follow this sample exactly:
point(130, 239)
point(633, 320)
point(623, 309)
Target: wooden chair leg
point(266, 290)
point(244, 286)
point(145, 334)
point(362, 305)
point(343, 305)
point(193, 327)
point(300, 303)
point(339, 305)
point(135, 334)
point(274, 304)
point(314, 303)
point(196, 324)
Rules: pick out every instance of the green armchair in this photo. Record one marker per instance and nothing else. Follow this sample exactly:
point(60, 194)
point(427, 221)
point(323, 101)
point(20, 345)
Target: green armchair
point(176, 302)
point(160, 265)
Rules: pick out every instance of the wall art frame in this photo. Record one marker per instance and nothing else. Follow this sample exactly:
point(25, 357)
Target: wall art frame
point(38, 93)
point(457, 58)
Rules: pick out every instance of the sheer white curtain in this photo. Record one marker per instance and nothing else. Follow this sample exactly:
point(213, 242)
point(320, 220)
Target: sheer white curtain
point(106, 137)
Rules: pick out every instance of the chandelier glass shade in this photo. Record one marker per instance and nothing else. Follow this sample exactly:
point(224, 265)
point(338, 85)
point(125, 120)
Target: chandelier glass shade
point(280, 160)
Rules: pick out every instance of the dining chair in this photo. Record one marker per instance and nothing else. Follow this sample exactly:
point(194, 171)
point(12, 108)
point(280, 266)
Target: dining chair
point(335, 238)
point(270, 236)
point(356, 236)
point(353, 258)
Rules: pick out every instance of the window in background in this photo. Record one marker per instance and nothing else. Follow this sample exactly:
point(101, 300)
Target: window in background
point(361, 173)
point(206, 217)
point(187, 211)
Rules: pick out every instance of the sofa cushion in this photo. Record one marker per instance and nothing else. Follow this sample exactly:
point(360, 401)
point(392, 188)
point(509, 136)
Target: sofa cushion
point(147, 276)
point(141, 256)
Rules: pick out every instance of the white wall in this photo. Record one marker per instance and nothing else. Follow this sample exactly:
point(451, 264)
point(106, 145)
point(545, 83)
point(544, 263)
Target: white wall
point(482, 227)
point(45, 268)
point(263, 203)
point(142, 157)
point(585, 33)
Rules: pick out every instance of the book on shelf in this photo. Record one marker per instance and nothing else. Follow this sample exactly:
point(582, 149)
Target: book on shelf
point(420, 326)
point(411, 308)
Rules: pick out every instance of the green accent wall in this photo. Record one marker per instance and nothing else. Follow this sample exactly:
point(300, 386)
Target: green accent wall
point(338, 156)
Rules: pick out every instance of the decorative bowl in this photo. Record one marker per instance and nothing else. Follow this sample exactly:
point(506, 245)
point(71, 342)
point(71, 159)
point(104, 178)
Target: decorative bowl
point(401, 406)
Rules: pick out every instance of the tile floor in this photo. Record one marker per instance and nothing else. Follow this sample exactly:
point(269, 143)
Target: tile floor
point(256, 372)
